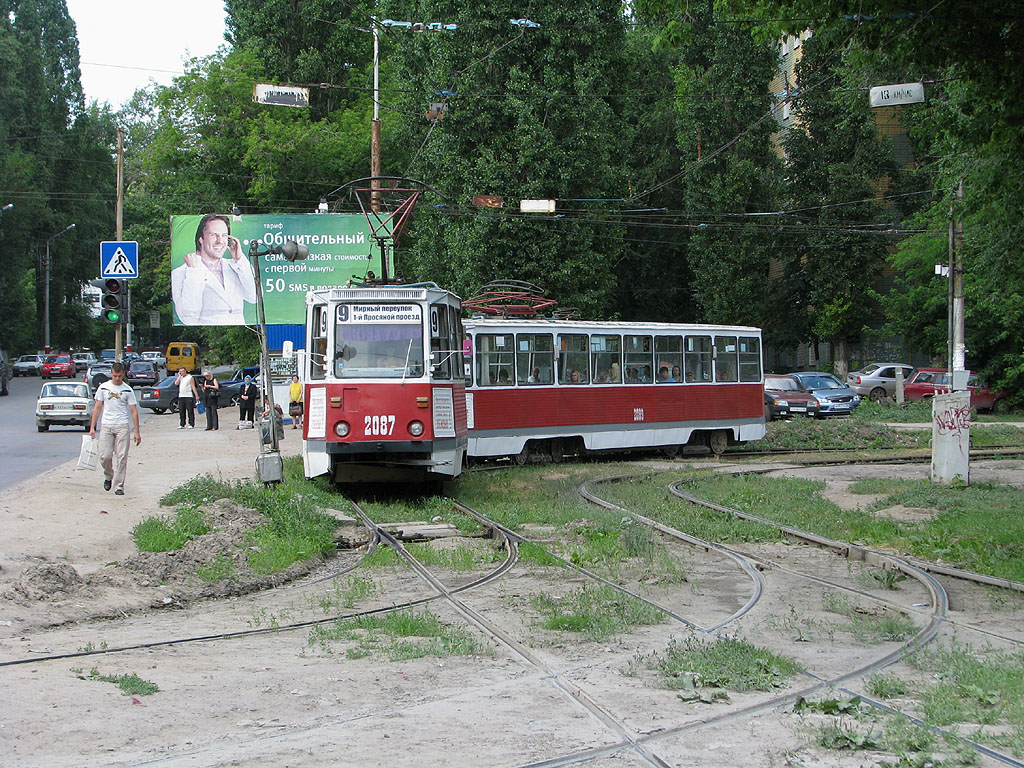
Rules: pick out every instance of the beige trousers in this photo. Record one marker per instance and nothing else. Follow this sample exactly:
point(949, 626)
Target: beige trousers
point(114, 442)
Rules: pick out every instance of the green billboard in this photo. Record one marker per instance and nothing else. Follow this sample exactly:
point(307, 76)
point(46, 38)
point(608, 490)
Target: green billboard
point(212, 277)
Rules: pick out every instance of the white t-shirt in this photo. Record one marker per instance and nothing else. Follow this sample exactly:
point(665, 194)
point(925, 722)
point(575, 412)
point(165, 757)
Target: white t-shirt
point(116, 402)
point(185, 386)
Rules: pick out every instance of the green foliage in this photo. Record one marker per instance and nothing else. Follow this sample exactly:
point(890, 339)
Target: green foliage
point(166, 534)
point(130, 684)
point(728, 663)
point(595, 612)
point(200, 489)
point(390, 635)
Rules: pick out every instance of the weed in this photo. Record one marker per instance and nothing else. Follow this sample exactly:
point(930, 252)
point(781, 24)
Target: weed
point(887, 686)
point(166, 534)
point(869, 626)
point(596, 612)
point(389, 635)
point(728, 663)
point(888, 579)
point(130, 684)
point(535, 554)
point(200, 490)
point(348, 594)
point(382, 557)
point(797, 628)
point(840, 735)
point(220, 568)
point(462, 558)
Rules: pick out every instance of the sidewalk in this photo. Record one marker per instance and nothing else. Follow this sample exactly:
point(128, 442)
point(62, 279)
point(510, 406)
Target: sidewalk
point(65, 516)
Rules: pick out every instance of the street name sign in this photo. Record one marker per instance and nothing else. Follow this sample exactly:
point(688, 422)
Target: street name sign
point(890, 95)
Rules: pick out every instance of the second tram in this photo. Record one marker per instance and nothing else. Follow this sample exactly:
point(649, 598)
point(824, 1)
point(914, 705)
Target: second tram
point(548, 388)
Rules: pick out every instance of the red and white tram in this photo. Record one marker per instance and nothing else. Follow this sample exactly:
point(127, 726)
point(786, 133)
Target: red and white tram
point(552, 388)
point(384, 387)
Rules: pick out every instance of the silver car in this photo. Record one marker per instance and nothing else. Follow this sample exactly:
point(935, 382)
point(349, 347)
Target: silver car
point(64, 402)
point(834, 397)
point(878, 380)
point(83, 360)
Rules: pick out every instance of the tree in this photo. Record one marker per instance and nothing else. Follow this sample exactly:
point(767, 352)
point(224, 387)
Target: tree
point(530, 112)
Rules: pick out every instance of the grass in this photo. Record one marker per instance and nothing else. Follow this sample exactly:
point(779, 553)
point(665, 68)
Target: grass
point(595, 612)
point(398, 636)
point(130, 684)
point(296, 528)
point(733, 664)
point(978, 527)
point(168, 533)
point(345, 593)
point(867, 626)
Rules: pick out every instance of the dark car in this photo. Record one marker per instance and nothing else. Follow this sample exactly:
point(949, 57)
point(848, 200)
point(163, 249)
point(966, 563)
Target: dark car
point(164, 396)
point(834, 397)
point(783, 398)
point(141, 373)
point(58, 365)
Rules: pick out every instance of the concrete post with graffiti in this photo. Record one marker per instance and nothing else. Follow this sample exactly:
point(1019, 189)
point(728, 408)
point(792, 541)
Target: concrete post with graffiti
point(951, 438)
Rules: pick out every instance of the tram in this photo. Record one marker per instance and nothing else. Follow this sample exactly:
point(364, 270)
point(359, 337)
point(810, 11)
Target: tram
point(384, 388)
point(540, 388)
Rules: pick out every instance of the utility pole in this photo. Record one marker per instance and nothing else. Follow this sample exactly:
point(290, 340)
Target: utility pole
point(375, 123)
point(118, 215)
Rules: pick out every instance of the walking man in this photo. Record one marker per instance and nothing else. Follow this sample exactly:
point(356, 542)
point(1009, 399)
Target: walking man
point(115, 402)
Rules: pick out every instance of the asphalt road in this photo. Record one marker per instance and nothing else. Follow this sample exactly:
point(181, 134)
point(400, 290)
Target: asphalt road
point(25, 452)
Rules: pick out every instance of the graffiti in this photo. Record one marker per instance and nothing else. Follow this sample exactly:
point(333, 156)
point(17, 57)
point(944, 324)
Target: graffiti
point(953, 420)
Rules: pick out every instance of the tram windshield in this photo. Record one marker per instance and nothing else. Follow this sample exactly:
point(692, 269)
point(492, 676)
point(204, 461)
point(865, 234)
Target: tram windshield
point(378, 342)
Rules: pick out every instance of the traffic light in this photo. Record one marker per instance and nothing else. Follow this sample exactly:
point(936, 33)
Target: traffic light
point(113, 300)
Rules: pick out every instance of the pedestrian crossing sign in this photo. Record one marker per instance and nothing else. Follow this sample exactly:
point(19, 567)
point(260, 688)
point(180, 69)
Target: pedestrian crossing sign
point(119, 259)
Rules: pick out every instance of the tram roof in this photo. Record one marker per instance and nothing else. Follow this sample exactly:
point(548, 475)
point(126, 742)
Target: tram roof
point(547, 323)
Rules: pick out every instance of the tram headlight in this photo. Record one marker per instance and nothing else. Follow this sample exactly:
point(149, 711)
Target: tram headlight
point(415, 428)
point(341, 429)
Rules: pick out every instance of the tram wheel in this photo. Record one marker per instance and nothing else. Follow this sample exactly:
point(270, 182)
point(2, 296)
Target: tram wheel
point(523, 457)
point(669, 451)
point(718, 441)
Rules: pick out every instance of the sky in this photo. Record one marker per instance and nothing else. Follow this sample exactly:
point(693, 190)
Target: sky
point(125, 44)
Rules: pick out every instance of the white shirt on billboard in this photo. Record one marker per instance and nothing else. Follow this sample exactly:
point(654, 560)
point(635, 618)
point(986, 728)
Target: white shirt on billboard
point(200, 298)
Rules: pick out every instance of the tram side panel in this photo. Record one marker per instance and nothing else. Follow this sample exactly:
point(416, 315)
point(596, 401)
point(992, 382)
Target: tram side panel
point(503, 420)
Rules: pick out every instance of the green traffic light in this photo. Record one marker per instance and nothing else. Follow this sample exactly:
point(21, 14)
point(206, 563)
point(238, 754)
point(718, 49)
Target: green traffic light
point(112, 316)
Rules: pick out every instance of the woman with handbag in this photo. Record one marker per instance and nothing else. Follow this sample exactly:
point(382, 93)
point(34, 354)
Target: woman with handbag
point(211, 398)
point(295, 409)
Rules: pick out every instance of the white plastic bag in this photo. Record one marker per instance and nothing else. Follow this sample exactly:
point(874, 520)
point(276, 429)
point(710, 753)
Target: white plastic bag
point(89, 456)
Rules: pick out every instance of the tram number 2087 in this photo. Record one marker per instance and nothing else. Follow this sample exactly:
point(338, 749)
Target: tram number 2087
point(378, 426)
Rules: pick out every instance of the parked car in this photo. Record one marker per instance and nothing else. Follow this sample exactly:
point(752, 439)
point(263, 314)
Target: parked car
point(58, 365)
point(67, 403)
point(878, 380)
point(928, 382)
point(164, 396)
point(156, 358)
point(834, 398)
point(27, 365)
point(141, 373)
point(108, 355)
point(83, 360)
point(97, 374)
point(784, 398)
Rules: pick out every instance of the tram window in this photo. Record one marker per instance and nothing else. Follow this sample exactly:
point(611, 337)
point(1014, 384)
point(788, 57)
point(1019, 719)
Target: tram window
point(535, 359)
point(750, 358)
point(495, 359)
point(725, 358)
point(606, 356)
point(668, 359)
point(378, 349)
point(318, 345)
point(440, 342)
point(638, 360)
point(698, 359)
point(573, 358)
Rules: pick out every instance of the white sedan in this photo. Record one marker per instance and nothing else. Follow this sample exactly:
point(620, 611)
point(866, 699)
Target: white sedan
point(67, 403)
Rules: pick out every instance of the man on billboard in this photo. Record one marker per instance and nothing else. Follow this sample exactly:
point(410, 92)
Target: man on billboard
point(216, 281)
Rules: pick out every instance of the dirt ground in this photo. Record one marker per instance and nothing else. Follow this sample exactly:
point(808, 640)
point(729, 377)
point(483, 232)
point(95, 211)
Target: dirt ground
point(231, 693)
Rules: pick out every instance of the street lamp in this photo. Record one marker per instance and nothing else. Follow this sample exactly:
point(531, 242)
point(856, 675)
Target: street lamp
point(268, 465)
point(46, 295)
point(7, 207)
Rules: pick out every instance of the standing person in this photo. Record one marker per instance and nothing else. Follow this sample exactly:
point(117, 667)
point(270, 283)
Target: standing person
point(115, 403)
point(216, 282)
point(247, 402)
point(211, 398)
point(295, 408)
point(187, 396)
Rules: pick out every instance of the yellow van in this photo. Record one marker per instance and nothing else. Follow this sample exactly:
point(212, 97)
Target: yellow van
point(182, 354)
